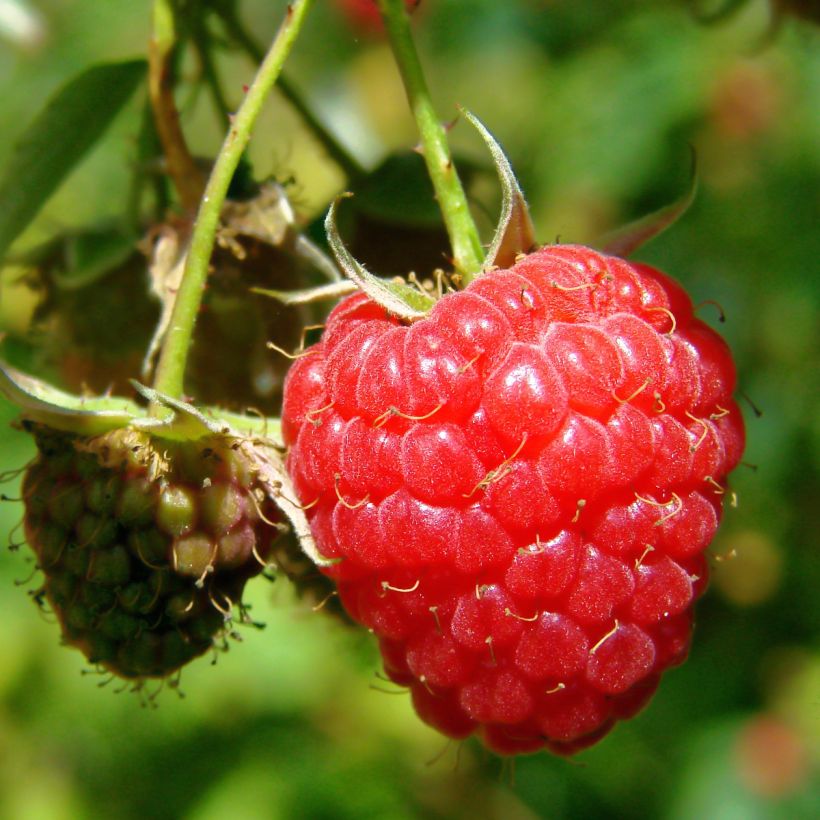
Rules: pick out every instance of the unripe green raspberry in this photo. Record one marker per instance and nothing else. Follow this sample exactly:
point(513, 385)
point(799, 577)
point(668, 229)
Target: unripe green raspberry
point(136, 502)
point(176, 510)
point(145, 544)
point(194, 555)
point(222, 505)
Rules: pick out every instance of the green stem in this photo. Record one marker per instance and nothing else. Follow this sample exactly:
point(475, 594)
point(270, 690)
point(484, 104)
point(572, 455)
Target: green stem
point(467, 251)
point(170, 373)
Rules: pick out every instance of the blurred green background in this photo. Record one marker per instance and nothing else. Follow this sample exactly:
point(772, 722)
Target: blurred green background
point(596, 103)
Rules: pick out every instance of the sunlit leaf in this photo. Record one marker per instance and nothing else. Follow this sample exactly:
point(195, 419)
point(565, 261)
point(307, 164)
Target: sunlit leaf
point(69, 125)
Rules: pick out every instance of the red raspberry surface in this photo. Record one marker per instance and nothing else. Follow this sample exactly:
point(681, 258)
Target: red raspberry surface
point(519, 489)
point(364, 15)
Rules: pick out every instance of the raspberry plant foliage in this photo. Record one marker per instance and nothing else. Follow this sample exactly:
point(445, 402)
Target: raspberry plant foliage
point(147, 518)
point(511, 475)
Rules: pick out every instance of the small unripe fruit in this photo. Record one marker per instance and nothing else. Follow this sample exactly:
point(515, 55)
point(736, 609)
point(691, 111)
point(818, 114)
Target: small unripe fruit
point(145, 544)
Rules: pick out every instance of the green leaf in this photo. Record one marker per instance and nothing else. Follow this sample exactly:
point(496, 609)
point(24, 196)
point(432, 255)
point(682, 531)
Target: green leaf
point(91, 255)
point(399, 191)
point(704, 14)
point(396, 297)
point(72, 121)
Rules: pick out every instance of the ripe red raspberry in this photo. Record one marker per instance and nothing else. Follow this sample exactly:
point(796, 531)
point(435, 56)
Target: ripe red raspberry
point(519, 488)
point(364, 16)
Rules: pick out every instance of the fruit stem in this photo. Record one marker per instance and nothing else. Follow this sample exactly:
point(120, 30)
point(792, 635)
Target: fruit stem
point(182, 169)
point(170, 373)
point(466, 243)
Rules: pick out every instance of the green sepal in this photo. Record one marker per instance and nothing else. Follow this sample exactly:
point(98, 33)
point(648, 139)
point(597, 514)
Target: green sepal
point(186, 422)
point(43, 403)
point(269, 464)
point(395, 297)
point(514, 234)
point(94, 415)
point(320, 293)
point(629, 238)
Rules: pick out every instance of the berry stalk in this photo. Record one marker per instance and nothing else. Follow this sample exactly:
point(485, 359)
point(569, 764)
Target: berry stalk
point(181, 166)
point(464, 238)
point(171, 368)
